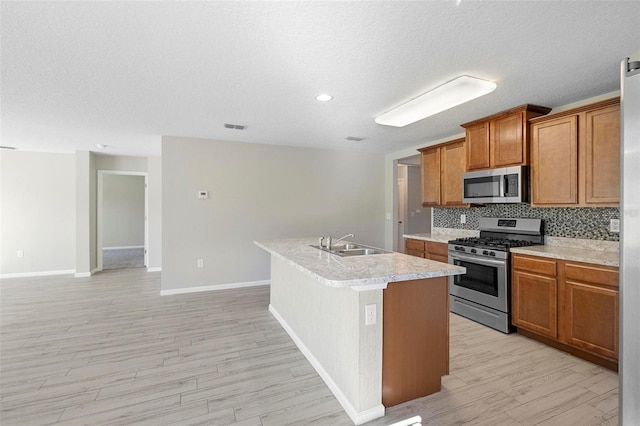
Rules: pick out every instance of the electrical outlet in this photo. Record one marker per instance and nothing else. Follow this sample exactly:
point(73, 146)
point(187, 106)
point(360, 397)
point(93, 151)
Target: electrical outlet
point(200, 263)
point(20, 253)
point(614, 225)
point(370, 316)
point(463, 218)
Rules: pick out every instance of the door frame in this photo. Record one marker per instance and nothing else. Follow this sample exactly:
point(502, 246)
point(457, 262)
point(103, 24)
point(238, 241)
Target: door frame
point(100, 206)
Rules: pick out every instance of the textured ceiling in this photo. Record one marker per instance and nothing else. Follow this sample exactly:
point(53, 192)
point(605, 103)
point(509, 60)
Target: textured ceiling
point(75, 74)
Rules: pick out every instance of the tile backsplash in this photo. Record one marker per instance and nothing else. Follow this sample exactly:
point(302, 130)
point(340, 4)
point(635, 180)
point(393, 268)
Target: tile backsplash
point(569, 222)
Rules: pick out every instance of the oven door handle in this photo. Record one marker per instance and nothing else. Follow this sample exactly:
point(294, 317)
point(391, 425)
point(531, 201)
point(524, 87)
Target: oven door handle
point(478, 260)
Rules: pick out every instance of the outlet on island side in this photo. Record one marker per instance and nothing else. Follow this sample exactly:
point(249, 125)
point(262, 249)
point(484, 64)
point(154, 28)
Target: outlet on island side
point(370, 316)
point(200, 263)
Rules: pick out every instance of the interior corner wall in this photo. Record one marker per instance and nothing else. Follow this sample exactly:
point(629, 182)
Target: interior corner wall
point(154, 212)
point(37, 205)
point(259, 192)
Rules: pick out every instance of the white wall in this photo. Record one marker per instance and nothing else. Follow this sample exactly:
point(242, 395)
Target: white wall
point(123, 198)
point(37, 208)
point(86, 214)
point(258, 192)
point(154, 200)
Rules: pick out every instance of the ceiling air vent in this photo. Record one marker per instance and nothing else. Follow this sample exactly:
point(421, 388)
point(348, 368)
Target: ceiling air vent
point(235, 126)
point(354, 138)
point(7, 147)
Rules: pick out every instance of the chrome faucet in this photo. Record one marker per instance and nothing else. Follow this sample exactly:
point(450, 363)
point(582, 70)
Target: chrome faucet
point(330, 242)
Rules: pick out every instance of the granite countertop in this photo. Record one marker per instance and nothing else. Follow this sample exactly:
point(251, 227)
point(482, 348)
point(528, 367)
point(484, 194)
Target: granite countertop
point(359, 272)
point(443, 235)
point(586, 255)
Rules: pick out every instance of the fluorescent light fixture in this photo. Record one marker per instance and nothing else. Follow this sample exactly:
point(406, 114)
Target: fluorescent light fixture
point(323, 97)
point(451, 94)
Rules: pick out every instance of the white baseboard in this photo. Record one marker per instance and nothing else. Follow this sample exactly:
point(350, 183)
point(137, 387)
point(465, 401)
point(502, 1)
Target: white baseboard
point(155, 269)
point(213, 287)
point(122, 248)
point(357, 417)
point(86, 274)
point(38, 274)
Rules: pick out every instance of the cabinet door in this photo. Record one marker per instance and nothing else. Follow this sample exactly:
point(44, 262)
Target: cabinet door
point(602, 151)
point(508, 144)
point(430, 169)
point(453, 167)
point(414, 247)
point(554, 159)
point(590, 316)
point(534, 303)
point(414, 252)
point(437, 251)
point(477, 140)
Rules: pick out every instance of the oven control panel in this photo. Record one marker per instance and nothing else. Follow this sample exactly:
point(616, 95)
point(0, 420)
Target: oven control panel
point(476, 251)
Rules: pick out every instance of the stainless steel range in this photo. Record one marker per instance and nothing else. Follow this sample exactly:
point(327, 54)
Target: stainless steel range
point(483, 294)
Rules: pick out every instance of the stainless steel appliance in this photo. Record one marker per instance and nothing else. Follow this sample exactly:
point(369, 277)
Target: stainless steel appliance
point(630, 242)
point(503, 185)
point(483, 293)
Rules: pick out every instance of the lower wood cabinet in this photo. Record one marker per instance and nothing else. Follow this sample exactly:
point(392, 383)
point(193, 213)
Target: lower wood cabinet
point(570, 305)
point(590, 308)
point(427, 249)
point(534, 289)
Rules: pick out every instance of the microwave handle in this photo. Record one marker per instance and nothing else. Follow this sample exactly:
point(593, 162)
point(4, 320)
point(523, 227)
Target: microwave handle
point(503, 186)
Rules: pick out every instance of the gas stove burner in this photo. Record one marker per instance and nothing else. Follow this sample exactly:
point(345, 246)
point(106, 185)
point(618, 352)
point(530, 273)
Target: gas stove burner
point(492, 243)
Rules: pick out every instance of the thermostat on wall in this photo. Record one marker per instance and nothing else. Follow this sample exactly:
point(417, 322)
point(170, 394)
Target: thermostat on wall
point(203, 194)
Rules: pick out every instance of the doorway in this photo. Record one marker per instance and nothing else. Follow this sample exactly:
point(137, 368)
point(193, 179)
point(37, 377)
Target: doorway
point(122, 232)
point(412, 217)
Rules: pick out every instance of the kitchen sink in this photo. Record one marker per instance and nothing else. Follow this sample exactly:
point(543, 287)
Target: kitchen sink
point(352, 249)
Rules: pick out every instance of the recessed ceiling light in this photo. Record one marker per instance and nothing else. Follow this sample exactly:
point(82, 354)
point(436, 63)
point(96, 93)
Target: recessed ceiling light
point(324, 97)
point(103, 146)
point(451, 94)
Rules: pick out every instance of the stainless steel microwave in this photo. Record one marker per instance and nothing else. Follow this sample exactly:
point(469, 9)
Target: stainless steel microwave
point(503, 185)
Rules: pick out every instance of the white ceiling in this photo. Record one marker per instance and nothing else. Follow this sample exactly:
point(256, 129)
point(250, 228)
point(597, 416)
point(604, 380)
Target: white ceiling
point(75, 74)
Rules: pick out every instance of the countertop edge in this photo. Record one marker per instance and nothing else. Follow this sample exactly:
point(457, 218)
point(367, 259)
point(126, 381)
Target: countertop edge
point(570, 254)
point(370, 283)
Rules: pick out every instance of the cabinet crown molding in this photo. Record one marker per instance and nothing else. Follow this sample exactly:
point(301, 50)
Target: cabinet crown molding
point(578, 110)
point(537, 109)
point(441, 144)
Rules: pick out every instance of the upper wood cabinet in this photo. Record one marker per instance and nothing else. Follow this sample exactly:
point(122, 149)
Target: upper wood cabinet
point(501, 139)
point(442, 168)
point(575, 156)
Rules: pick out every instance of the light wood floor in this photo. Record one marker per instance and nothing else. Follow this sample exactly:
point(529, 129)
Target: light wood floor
point(109, 350)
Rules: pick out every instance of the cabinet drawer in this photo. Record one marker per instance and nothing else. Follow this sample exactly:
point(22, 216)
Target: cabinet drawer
point(545, 267)
point(443, 259)
point(414, 244)
point(438, 249)
point(416, 253)
point(592, 274)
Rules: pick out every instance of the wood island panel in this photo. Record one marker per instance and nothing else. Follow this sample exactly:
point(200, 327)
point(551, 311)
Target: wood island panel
point(415, 349)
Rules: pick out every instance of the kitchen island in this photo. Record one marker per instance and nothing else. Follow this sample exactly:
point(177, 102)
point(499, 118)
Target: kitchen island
point(375, 327)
